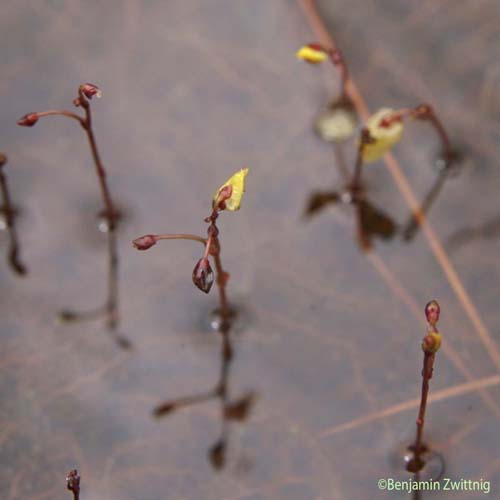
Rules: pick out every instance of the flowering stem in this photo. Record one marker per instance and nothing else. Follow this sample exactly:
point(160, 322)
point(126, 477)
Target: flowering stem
point(85, 93)
point(430, 345)
point(8, 211)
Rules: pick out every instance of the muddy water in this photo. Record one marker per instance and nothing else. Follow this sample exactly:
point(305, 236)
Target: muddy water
point(328, 334)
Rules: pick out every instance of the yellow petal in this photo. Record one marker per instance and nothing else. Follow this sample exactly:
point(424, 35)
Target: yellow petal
point(237, 183)
point(311, 55)
point(385, 137)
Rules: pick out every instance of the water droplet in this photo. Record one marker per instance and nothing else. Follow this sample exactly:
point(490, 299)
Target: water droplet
point(430, 467)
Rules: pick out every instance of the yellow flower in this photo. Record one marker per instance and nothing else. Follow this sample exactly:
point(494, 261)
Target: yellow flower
point(312, 53)
point(231, 192)
point(384, 137)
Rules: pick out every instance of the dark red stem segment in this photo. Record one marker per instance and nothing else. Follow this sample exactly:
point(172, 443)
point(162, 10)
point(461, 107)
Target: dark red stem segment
point(110, 212)
point(337, 58)
point(424, 112)
point(426, 376)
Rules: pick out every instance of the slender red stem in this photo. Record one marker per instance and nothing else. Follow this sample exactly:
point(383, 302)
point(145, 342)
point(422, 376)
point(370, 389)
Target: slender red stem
point(225, 310)
point(337, 59)
point(424, 112)
point(193, 237)
point(62, 112)
point(426, 376)
point(100, 171)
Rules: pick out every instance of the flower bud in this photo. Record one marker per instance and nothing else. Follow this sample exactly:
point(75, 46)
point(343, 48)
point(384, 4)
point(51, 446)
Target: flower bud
point(28, 120)
point(431, 342)
point(203, 276)
point(432, 311)
point(144, 242)
point(90, 90)
point(73, 482)
point(3, 160)
point(313, 53)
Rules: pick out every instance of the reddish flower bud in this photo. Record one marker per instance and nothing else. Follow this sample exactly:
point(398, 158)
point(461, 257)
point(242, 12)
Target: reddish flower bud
point(3, 160)
point(73, 482)
point(28, 120)
point(90, 90)
point(432, 311)
point(203, 276)
point(144, 242)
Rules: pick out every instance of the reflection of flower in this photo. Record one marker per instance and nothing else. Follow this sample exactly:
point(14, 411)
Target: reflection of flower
point(338, 123)
point(228, 196)
point(312, 53)
point(384, 136)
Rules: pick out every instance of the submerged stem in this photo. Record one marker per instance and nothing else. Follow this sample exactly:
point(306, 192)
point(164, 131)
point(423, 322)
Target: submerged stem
point(8, 211)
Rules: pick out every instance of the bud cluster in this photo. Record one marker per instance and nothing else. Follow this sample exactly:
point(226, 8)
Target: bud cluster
point(432, 341)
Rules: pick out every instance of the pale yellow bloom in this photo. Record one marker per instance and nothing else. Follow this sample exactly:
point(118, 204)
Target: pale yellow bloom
point(311, 54)
point(384, 137)
point(237, 184)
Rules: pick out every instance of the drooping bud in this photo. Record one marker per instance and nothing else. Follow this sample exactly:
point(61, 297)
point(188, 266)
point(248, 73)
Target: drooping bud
point(144, 242)
point(90, 90)
point(28, 120)
point(203, 276)
point(229, 195)
point(432, 311)
point(384, 132)
point(313, 53)
point(3, 159)
point(73, 482)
